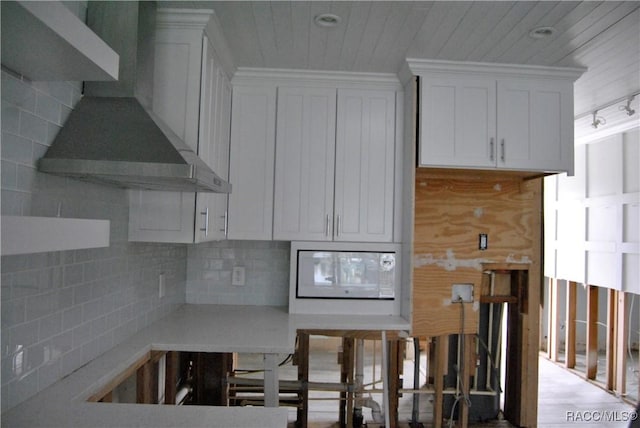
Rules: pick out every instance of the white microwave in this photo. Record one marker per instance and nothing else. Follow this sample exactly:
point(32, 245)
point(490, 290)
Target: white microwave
point(344, 278)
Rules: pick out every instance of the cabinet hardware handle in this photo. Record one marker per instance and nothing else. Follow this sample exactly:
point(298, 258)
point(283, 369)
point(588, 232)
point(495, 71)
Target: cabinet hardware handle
point(327, 228)
point(226, 223)
point(338, 226)
point(491, 150)
point(205, 213)
point(503, 152)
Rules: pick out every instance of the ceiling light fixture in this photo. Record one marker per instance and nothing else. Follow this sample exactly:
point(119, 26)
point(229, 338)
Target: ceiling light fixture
point(541, 32)
point(597, 120)
point(627, 108)
point(327, 20)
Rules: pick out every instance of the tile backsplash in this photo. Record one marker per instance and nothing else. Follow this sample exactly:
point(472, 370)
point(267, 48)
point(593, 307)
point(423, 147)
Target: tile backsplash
point(210, 267)
point(62, 309)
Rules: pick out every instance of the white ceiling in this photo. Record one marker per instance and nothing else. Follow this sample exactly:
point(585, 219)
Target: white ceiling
point(376, 36)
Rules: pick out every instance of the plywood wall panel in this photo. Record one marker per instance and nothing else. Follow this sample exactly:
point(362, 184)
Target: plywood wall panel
point(451, 209)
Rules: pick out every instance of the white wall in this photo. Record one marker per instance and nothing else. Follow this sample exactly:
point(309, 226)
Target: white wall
point(592, 220)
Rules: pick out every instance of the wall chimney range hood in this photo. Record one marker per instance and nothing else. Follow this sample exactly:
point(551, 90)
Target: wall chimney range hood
point(112, 136)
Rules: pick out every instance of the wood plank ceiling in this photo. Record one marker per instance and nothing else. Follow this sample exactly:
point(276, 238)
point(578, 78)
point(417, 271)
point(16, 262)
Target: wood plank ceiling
point(376, 36)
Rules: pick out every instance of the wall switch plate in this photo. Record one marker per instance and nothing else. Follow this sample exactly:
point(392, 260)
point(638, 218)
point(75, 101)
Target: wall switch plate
point(483, 241)
point(462, 293)
point(237, 278)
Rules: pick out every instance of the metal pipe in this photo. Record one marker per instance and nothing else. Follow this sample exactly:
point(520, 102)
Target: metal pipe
point(295, 384)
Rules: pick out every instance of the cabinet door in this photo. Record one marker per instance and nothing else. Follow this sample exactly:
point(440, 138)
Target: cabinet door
point(169, 216)
point(457, 121)
point(213, 144)
point(305, 157)
point(535, 125)
point(365, 160)
point(251, 162)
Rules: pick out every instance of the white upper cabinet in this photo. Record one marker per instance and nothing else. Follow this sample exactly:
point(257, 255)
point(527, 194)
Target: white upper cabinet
point(491, 116)
point(458, 121)
point(335, 164)
point(192, 95)
point(365, 165)
point(251, 162)
point(305, 158)
point(535, 125)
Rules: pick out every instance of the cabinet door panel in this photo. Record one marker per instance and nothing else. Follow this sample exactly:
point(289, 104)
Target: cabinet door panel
point(305, 156)
point(365, 159)
point(535, 122)
point(213, 144)
point(161, 216)
point(251, 162)
point(458, 116)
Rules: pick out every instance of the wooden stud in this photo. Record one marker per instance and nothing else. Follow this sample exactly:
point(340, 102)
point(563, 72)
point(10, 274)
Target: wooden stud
point(570, 326)
point(107, 398)
point(467, 368)
point(622, 326)
point(302, 360)
point(441, 346)
point(612, 303)
point(171, 377)
point(592, 332)
point(147, 384)
point(552, 334)
point(395, 367)
point(347, 375)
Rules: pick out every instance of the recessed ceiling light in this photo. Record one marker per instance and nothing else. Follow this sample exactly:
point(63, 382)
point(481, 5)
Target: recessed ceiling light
point(327, 20)
point(541, 32)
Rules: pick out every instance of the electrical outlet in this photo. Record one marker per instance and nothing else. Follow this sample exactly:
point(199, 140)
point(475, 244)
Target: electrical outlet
point(462, 293)
point(237, 277)
point(483, 241)
point(161, 286)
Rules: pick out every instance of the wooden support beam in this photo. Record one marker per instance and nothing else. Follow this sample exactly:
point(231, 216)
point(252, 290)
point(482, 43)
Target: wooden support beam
point(441, 346)
point(302, 360)
point(346, 375)
point(552, 334)
point(395, 380)
point(570, 326)
point(147, 383)
point(468, 366)
point(612, 304)
point(171, 377)
point(622, 325)
point(592, 332)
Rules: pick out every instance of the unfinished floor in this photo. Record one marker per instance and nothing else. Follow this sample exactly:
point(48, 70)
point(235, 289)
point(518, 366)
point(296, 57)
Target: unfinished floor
point(564, 397)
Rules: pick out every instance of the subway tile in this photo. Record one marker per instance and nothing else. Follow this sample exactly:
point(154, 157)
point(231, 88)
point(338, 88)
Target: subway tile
point(10, 117)
point(23, 335)
point(40, 305)
point(25, 178)
point(47, 108)
point(62, 91)
point(14, 263)
point(24, 387)
point(10, 202)
point(17, 149)
point(64, 114)
point(71, 361)
point(71, 318)
point(81, 334)
point(18, 92)
point(73, 274)
point(33, 127)
point(13, 312)
point(52, 132)
point(48, 374)
point(50, 326)
point(9, 175)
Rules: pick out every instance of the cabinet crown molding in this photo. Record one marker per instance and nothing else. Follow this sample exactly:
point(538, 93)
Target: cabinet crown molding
point(316, 78)
point(183, 18)
point(418, 66)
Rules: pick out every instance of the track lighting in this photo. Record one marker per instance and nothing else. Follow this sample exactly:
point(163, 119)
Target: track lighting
point(627, 108)
point(597, 120)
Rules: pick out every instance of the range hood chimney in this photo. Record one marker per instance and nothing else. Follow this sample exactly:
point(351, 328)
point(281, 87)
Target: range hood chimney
point(112, 136)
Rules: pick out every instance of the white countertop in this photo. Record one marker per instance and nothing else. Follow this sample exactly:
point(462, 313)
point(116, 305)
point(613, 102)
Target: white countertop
point(198, 328)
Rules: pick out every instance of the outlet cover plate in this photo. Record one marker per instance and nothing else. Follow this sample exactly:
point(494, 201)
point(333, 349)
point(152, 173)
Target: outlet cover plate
point(462, 292)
